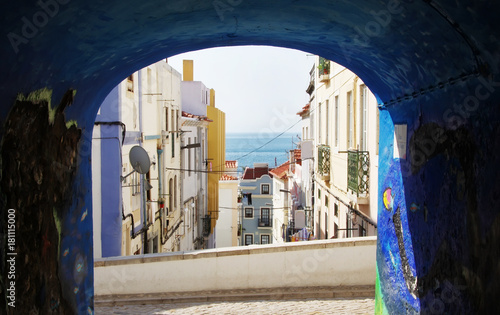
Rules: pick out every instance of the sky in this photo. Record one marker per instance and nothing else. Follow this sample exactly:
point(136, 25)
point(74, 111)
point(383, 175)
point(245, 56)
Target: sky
point(260, 88)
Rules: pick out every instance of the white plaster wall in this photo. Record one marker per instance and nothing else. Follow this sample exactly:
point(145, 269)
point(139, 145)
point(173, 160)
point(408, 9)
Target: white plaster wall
point(96, 190)
point(225, 224)
point(302, 264)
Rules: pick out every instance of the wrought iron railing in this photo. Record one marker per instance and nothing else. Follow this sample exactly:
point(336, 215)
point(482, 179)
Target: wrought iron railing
point(324, 160)
point(265, 223)
point(358, 172)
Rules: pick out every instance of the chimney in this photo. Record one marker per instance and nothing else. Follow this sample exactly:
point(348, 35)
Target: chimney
point(212, 97)
point(187, 69)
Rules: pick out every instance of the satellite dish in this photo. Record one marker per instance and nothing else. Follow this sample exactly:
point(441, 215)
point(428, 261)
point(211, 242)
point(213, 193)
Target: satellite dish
point(139, 159)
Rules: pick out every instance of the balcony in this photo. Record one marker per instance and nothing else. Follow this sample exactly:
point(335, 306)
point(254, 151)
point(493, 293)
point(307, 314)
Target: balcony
point(358, 174)
point(323, 69)
point(324, 162)
point(206, 225)
point(265, 223)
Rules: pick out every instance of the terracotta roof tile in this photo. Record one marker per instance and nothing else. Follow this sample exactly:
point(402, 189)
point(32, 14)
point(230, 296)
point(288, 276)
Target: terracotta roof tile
point(304, 110)
point(254, 173)
point(231, 164)
point(281, 170)
point(228, 177)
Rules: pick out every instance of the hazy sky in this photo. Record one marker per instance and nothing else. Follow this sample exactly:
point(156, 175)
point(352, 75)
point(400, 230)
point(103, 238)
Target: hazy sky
point(259, 88)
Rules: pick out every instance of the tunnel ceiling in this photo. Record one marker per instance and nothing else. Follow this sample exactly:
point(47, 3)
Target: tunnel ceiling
point(398, 48)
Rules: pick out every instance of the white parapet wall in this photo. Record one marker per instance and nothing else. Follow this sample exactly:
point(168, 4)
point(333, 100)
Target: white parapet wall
point(323, 263)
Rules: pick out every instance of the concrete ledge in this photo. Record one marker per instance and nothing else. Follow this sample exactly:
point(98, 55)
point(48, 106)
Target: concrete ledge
point(235, 251)
point(315, 264)
point(291, 293)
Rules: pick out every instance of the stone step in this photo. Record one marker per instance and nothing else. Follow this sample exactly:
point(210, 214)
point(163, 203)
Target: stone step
point(294, 293)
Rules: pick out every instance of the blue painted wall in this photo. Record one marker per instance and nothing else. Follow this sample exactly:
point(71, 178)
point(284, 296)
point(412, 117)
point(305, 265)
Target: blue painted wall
point(251, 225)
point(424, 60)
point(111, 138)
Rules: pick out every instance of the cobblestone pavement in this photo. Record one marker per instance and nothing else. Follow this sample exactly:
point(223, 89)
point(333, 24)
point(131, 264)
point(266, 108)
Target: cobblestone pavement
point(320, 306)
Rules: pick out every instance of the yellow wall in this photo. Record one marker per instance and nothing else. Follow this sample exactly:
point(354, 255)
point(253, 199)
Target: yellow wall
point(217, 154)
point(187, 69)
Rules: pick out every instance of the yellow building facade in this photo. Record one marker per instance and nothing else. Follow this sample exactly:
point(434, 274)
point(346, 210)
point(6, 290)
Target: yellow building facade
point(216, 156)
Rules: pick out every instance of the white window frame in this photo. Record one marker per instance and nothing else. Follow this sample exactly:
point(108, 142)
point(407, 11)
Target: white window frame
point(245, 213)
point(268, 189)
point(268, 236)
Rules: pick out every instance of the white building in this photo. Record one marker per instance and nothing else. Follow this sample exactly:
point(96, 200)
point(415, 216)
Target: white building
point(194, 179)
point(143, 110)
point(344, 120)
point(226, 229)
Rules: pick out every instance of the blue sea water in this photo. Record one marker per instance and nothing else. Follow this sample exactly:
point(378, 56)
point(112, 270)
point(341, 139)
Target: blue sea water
point(240, 145)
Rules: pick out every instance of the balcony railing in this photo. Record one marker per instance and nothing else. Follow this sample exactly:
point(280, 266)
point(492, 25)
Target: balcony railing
point(324, 161)
point(358, 172)
point(265, 223)
point(206, 226)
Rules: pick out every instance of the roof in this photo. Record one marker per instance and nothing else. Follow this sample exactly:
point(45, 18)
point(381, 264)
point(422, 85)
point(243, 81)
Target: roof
point(227, 177)
point(199, 117)
point(281, 170)
point(297, 156)
point(231, 164)
point(257, 172)
point(305, 110)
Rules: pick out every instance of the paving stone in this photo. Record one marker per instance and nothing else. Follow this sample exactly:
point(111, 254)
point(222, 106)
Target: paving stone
point(309, 306)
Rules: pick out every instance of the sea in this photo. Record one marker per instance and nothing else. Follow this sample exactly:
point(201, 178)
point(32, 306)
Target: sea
point(250, 148)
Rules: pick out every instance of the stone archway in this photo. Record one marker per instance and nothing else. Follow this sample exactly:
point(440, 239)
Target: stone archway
point(432, 64)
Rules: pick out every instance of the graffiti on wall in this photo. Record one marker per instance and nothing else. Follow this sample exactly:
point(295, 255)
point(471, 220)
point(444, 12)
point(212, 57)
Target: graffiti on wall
point(39, 163)
point(442, 253)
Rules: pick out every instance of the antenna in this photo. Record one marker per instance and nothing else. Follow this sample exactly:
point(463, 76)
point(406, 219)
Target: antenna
point(139, 159)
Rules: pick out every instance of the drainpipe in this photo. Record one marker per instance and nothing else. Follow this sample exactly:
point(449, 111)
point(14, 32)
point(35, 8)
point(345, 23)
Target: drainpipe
point(143, 195)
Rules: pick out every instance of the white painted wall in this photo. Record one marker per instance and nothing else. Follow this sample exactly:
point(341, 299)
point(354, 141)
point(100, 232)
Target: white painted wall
point(348, 262)
point(226, 223)
point(96, 190)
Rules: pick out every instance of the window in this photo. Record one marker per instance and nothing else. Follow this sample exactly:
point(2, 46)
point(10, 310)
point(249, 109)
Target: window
point(326, 225)
point(189, 157)
point(265, 217)
point(248, 239)
point(166, 118)
point(265, 239)
point(336, 121)
point(249, 213)
point(364, 117)
point(319, 123)
point(327, 121)
point(264, 189)
point(336, 209)
point(350, 121)
point(319, 193)
point(170, 195)
point(326, 201)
